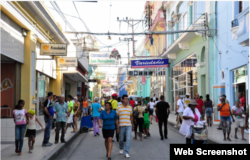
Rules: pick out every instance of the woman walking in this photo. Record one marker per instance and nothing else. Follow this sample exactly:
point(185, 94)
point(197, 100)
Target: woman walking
point(85, 107)
point(77, 114)
point(191, 116)
point(209, 110)
point(19, 119)
point(108, 119)
point(151, 109)
point(31, 131)
point(96, 109)
point(139, 120)
point(238, 113)
point(225, 114)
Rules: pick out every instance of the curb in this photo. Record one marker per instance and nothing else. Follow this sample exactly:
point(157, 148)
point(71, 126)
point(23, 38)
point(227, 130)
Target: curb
point(55, 152)
point(209, 140)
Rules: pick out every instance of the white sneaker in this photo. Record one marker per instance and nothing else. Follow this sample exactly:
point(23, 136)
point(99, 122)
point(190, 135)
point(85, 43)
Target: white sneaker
point(121, 151)
point(127, 155)
point(175, 126)
point(156, 123)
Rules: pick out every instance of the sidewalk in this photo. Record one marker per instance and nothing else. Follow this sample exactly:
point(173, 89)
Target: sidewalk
point(214, 134)
point(39, 152)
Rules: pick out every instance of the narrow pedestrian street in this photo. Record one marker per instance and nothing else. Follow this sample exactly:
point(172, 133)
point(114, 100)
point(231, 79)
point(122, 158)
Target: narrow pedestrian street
point(88, 147)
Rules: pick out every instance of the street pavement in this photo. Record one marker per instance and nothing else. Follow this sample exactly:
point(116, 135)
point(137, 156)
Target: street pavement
point(88, 147)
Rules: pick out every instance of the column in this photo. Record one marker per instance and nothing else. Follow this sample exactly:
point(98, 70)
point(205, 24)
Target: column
point(189, 15)
point(26, 72)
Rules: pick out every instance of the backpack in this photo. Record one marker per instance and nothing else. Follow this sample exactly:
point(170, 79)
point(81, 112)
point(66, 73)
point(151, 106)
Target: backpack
point(111, 103)
point(136, 113)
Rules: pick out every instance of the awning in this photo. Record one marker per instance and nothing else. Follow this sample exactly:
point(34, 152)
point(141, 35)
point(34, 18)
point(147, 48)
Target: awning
point(75, 76)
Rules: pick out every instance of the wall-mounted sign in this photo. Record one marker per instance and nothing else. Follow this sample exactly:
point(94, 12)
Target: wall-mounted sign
point(6, 84)
point(129, 82)
point(67, 62)
point(49, 49)
point(92, 80)
point(101, 75)
point(140, 73)
point(102, 58)
point(150, 63)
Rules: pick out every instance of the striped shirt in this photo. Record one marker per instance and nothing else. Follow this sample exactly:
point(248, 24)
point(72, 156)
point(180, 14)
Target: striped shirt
point(124, 114)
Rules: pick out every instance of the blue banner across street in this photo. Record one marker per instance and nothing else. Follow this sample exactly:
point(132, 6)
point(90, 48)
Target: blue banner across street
point(149, 63)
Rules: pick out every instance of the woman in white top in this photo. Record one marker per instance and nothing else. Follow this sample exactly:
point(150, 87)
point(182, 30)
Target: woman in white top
point(31, 130)
point(151, 109)
point(191, 116)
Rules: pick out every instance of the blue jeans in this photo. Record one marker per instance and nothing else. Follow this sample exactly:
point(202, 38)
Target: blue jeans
point(19, 135)
point(125, 130)
point(48, 125)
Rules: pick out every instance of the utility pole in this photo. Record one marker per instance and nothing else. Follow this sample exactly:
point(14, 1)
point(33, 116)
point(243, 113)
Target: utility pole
point(127, 40)
point(131, 24)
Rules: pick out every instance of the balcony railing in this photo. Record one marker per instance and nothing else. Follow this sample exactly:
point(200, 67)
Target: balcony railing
point(235, 23)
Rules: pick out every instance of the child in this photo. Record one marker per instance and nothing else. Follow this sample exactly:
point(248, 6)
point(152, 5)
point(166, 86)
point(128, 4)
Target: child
point(146, 123)
point(31, 130)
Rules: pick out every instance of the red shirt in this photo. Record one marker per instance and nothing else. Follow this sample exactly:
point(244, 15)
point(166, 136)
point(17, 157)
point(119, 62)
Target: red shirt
point(132, 103)
point(242, 101)
point(200, 104)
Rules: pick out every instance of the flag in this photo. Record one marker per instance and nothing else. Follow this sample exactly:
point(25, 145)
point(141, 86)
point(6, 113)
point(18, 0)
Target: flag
point(143, 81)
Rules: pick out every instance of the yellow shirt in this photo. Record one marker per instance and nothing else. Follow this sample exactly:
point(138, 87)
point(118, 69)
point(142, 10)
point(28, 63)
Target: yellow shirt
point(114, 103)
point(124, 114)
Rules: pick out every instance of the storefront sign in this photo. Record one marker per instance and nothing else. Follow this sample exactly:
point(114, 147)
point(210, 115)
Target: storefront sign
point(129, 82)
point(101, 75)
point(6, 84)
point(92, 80)
point(151, 63)
point(67, 62)
point(102, 58)
point(53, 49)
point(41, 86)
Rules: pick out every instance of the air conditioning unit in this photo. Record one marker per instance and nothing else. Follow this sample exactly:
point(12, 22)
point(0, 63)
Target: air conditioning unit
point(171, 24)
point(176, 17)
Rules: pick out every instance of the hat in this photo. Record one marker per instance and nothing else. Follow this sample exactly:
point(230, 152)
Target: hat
point(31, 111)
point(193, 102)
point(238, 100)
point(114, 95)
point(187, 94)
point(222, 96)
point(76, 98)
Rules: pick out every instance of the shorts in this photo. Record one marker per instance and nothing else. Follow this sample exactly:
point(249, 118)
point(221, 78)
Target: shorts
point(180, 114)
point(151, 111)
point(30, 133)
point(146, 125)
point(70, 118)
point(85, 109)
point(108, 133)
point(209, 112)
point(238, 123)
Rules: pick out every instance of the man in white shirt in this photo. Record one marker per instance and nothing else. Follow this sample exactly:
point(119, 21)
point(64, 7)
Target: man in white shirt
point(154, 98)
point(179, 110)
point(186, 100)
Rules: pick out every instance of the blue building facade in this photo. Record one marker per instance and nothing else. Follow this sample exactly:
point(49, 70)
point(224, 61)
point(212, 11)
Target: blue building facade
point(122, 74)
point(231, 49)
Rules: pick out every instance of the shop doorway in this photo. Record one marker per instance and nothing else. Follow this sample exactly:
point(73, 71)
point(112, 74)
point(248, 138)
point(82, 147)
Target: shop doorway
point(67, 90)
point(203, 86)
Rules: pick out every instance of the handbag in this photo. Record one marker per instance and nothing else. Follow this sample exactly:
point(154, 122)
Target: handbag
point(136, 114)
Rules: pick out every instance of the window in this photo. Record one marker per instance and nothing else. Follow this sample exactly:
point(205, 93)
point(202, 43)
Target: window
point(185, 21)
point(240, 6)
point(203, 57)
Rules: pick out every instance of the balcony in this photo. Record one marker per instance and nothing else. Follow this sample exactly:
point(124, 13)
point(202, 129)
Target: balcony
point(235, 26)
point(243, 28)
point(182, 42)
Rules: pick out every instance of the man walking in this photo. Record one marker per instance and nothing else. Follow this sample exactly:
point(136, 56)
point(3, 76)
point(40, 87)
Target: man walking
point(179, 110)
point(187, 100)
point(124, 112)
point(61, 110)
point(162, 110)
point(48, 118)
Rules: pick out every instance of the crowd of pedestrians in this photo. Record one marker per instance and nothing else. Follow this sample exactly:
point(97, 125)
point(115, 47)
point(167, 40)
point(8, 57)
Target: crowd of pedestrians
point(121, 116)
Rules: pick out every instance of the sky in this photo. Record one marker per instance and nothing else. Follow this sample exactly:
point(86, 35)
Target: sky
point(102, 17)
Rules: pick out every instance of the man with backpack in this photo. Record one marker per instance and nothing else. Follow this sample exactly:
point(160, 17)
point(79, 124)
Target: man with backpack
point(114, 105)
